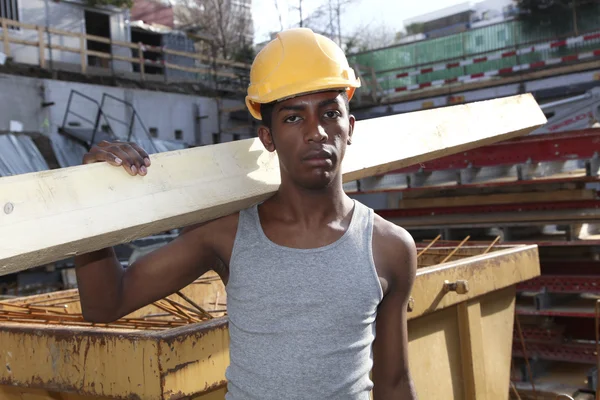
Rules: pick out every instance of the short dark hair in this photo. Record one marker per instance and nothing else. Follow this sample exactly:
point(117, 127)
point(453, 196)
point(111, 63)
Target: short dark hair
point(266, 110)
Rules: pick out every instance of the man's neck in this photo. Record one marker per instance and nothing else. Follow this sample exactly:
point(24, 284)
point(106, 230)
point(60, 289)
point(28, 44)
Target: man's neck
point(312, 207)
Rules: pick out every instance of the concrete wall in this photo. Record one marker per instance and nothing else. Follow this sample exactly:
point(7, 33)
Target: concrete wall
point(21, 99)
point(67, 17)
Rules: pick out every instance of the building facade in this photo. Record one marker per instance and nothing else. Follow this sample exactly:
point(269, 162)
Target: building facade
point(71, 16)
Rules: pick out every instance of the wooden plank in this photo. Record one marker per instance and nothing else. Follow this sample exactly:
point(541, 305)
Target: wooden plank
point(503, 198)
point(102, 39)
point(5, 37)
point(61, 48)
point(64, 33)
point(100, 54)
point(83, 54)
point(199, 70)
point(206, 58)
point(12, 22)
point(51, 215)
point(41, 48)
point(472, 350)
point(23, 42)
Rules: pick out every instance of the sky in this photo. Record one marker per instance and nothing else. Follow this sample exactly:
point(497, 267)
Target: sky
point(390, 13)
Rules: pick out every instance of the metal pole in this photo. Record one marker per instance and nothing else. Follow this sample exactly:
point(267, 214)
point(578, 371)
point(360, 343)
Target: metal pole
point(339, 24)
point(48, 35)
point(575, 28)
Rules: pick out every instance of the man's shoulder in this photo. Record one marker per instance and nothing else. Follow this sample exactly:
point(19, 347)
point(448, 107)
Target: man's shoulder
point(396, 251)
point(226, 224)
point(392, 234)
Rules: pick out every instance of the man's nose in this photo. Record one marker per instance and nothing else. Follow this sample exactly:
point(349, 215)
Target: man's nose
point(317, 133)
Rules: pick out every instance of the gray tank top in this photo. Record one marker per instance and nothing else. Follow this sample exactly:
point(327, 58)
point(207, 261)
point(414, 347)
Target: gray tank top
point(302, 321)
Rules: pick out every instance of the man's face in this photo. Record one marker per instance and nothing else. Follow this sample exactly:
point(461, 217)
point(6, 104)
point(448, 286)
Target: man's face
point(310, 134)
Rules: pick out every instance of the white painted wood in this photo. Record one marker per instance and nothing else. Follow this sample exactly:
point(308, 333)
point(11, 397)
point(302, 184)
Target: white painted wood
point(51, 215)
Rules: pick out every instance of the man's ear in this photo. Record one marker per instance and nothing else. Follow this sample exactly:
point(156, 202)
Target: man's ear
point(266, 138)
point(352, 120)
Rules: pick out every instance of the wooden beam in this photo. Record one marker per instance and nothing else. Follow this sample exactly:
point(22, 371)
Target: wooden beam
point(52, 215)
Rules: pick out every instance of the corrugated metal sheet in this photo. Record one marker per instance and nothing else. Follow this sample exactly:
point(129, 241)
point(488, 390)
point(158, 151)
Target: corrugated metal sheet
point(20, 155)
point(68, 152)
point(161, 145)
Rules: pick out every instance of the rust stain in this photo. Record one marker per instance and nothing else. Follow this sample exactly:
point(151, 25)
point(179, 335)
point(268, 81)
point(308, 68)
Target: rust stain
point(180, 366)
point(170, 395)
point(52, 386)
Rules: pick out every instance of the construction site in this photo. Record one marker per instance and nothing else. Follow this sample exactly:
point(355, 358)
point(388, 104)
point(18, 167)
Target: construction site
point(490, 160)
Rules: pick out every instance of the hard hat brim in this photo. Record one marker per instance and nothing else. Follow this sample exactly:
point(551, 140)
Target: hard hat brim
point(283, 94)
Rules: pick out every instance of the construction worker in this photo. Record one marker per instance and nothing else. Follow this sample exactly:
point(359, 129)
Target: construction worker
point(317, 284)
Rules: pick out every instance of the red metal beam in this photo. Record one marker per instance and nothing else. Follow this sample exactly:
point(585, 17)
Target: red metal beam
point(558, 312)
point(563, 146)
point(494, 208)
point(562, 284)
point(579, 353)
point(531, 333)
point(492, 183)
point(572, 267)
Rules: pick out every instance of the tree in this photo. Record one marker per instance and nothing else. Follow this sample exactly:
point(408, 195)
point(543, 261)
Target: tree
point(415, 28)
point(369, 37)
point(325, 19)
point(225, 25)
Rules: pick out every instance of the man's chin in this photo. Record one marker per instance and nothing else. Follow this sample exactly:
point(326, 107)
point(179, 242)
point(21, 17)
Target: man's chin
point(320, 181)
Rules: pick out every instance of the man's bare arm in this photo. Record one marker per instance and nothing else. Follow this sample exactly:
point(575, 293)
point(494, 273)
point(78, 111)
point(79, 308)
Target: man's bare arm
point(395, 253)
point(107, 290)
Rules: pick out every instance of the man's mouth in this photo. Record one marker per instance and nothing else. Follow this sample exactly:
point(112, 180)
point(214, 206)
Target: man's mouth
point(317, 154)
point(318, 158)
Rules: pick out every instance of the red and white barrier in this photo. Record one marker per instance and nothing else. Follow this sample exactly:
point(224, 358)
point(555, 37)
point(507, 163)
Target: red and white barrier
point(497, 56)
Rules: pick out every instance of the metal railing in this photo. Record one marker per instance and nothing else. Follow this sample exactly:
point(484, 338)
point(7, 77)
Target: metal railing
point(101, 113)
point(134, 117)
point(202, 68)
point(98, 114)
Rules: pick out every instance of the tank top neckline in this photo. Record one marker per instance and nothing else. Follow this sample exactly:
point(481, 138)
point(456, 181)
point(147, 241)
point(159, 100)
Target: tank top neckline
point(353, 221)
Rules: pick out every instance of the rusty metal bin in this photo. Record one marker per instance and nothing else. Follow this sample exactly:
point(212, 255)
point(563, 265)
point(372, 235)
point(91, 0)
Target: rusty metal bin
point(460, 336)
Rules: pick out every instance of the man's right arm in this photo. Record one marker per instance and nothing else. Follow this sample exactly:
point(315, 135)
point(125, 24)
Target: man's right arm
point(107, 290)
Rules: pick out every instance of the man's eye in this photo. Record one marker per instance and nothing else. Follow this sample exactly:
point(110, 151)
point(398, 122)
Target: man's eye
point(293, 118)
point(332, 114)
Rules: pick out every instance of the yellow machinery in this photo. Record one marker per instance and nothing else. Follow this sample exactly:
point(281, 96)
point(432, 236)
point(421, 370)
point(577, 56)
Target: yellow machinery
point(460, 336)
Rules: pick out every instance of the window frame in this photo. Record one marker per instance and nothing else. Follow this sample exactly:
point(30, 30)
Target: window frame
point(4, 5)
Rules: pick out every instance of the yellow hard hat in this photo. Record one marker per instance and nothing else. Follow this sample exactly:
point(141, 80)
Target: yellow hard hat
point(298, 61)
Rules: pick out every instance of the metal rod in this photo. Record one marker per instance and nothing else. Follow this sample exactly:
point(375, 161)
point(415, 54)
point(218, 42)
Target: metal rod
point(597, 320)
point(202, 310)
point(455, 249)
point(81, 116)
point(512, 385)
point(116, 120)
point(68, 107)
point(429, 245)
point(492, 245)
point(525, 355)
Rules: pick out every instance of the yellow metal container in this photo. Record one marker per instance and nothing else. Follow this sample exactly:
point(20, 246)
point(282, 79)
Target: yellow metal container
point(460, 337)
